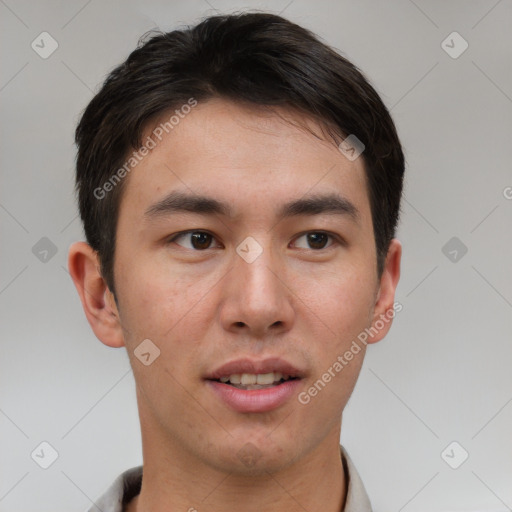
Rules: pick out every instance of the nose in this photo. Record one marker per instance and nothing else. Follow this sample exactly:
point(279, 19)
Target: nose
point(257, 297)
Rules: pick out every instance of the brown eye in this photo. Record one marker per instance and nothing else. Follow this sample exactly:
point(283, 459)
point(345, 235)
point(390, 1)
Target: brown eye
point(201, 240)
point(198, 240)
point(315, 240)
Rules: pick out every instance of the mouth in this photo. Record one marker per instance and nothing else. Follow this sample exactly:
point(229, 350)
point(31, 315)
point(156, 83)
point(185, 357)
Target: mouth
point(252, 381)
point(252, 372)
point(255, 386)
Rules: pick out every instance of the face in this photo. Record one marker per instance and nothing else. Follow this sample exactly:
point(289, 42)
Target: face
point(274, 272)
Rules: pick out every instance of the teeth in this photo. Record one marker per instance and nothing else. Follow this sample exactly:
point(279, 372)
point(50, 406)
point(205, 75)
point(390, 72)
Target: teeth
point(235, 378)
point(264, 378)
point(249, 379)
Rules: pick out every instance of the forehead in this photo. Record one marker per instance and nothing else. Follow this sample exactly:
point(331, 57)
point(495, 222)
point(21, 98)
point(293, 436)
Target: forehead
point(244, 155)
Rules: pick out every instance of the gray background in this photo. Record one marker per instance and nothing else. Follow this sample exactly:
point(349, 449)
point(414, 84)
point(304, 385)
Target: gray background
point(441, 375)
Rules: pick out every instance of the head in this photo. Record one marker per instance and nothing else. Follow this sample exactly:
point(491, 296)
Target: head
point(227, 130)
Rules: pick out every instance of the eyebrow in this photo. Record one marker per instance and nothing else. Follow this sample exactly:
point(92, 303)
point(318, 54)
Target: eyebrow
point(177, 202)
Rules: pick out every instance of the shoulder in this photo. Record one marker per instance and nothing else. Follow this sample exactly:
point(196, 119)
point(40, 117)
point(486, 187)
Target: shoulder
point(124, 488)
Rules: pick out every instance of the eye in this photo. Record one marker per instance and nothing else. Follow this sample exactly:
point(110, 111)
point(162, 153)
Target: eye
point(202, 240)
point(315, 239)
point(199, 240)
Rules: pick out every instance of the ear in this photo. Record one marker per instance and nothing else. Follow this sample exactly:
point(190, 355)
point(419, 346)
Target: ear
point(384, 311)
point(97, 300)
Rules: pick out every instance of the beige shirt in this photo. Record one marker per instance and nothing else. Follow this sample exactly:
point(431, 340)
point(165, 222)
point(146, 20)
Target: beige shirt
point(127, 485)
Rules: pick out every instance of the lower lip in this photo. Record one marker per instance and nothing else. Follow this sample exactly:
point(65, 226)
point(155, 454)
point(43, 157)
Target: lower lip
point(255, 400)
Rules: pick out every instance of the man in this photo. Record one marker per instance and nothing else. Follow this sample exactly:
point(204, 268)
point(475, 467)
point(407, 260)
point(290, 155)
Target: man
point(239, 184)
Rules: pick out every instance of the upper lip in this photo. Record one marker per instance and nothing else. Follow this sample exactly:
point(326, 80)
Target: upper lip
point(253, 366)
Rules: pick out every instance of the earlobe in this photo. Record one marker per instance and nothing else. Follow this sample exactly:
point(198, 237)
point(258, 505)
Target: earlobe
point(97, 300)
point(384, 310)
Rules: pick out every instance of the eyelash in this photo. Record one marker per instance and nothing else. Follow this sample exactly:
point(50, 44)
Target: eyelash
point(332, 236)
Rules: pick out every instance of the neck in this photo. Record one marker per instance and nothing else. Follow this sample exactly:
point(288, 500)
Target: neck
point(177, 478)
point(316, 482)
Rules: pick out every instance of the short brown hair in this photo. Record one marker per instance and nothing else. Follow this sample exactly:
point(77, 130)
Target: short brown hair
point(259, 58)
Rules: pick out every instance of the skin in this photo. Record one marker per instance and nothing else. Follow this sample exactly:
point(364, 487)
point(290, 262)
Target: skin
point(203, 308)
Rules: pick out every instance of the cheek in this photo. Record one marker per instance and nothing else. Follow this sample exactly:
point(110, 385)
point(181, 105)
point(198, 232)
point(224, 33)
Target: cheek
point(339, 308)
point(353, 305)
point(328, 391)
point(156, 298)
point(173, 312)
point(338, 302)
